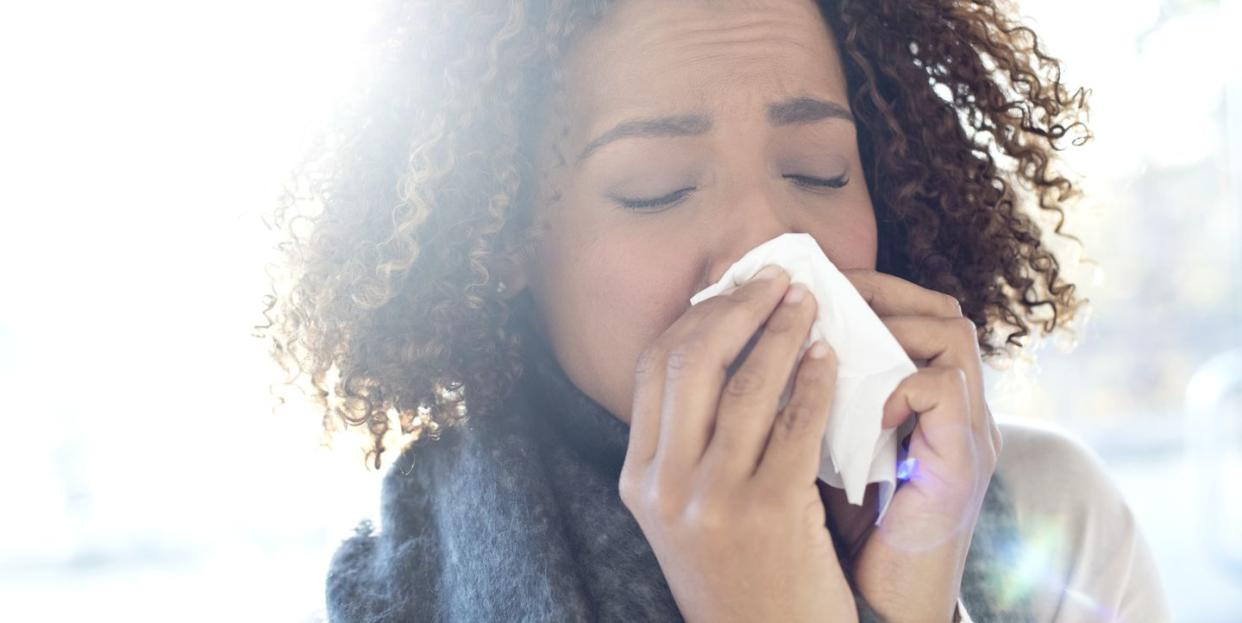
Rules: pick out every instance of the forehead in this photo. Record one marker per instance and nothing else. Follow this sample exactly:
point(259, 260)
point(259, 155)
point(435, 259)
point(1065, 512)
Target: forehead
point(714, 56)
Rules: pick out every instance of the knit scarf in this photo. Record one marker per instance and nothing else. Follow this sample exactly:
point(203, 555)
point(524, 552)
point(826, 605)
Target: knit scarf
point(516, 516)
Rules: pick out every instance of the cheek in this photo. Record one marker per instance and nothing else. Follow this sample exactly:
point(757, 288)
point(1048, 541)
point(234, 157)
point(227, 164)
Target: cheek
point(605, 296)
point(648, 281)
point(849, 235)
point(851, 244)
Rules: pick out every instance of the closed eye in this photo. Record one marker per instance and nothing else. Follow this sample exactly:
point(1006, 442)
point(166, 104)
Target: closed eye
point(819, 182)
point(655, 202)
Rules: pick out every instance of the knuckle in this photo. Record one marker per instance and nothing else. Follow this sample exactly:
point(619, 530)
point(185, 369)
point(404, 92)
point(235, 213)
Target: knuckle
point(795, 420)
point(966, 329)
point(663, 494)
point(685, 356)
point(959, 377)
point(656, 502)
point(960, 383)
point(783, 321)
point(951, 305)
point(706, 514)
point(648, 361)
point(629, 487)
point(745, 382)
point(646, 495)
point(950, 376)
point(726, 440)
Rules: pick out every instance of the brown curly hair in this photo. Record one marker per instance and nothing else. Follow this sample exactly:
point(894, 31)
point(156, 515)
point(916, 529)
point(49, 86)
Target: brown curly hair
point(396, 224)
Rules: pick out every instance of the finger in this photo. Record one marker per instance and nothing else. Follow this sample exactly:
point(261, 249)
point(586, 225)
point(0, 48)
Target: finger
point(936, 338)
point(852, 522)
point(953, 465)
point(649, 377)
point(645, 408)
point(699, 353)
point(751, 397)
point(940, 397)
point(794, 445)
point(890, 295)
point(945, 342)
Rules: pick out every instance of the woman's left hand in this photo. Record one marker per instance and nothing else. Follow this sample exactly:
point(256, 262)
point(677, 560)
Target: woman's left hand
point(909, 567)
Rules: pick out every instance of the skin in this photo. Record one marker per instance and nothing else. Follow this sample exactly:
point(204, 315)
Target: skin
point(609, 281)
point(724, 486)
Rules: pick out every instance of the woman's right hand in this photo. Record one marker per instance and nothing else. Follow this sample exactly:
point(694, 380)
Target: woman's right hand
point(721, 484)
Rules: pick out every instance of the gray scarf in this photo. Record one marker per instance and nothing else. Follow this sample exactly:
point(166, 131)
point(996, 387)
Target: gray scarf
point(515, 516)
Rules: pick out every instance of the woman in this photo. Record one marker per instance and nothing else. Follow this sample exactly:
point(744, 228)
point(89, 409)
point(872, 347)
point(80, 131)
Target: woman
point(511, 227)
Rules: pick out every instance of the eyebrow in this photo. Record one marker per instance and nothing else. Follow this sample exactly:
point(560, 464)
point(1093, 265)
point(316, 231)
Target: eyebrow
point(801, 110)
point(795, 111)
point(683, 125)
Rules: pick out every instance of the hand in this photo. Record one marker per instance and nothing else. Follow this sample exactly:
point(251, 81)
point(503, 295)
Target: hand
point(721, 484)
point(909, 567)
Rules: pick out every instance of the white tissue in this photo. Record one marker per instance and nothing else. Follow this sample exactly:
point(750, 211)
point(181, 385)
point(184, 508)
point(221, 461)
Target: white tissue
point(856, 451)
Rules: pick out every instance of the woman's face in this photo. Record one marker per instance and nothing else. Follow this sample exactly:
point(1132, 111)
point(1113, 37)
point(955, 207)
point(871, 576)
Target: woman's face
point(689, 132)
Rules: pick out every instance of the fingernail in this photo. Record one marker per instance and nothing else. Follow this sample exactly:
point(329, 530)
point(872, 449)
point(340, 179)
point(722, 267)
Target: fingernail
point(769, 272)
point(819, 349)
point(795, 293)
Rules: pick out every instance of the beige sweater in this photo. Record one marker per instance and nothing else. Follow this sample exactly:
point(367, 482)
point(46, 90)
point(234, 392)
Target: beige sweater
point(1083, 557)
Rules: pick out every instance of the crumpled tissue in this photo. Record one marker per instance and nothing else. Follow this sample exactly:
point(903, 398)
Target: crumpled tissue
point(856, 451)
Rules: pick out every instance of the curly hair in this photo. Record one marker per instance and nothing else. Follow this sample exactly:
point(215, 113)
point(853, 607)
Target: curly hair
point(396, 224)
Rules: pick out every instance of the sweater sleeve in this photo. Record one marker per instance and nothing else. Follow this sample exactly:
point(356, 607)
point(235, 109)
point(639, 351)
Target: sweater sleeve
point(1082, 556)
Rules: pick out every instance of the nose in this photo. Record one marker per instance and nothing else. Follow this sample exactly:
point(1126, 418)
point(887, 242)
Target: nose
point(746, 220)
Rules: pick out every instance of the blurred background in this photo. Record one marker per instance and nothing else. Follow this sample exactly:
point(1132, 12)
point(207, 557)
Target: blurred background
point(144, 469)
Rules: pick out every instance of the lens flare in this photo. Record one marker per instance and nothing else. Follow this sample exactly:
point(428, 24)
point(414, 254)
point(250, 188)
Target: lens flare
point(908, 469)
